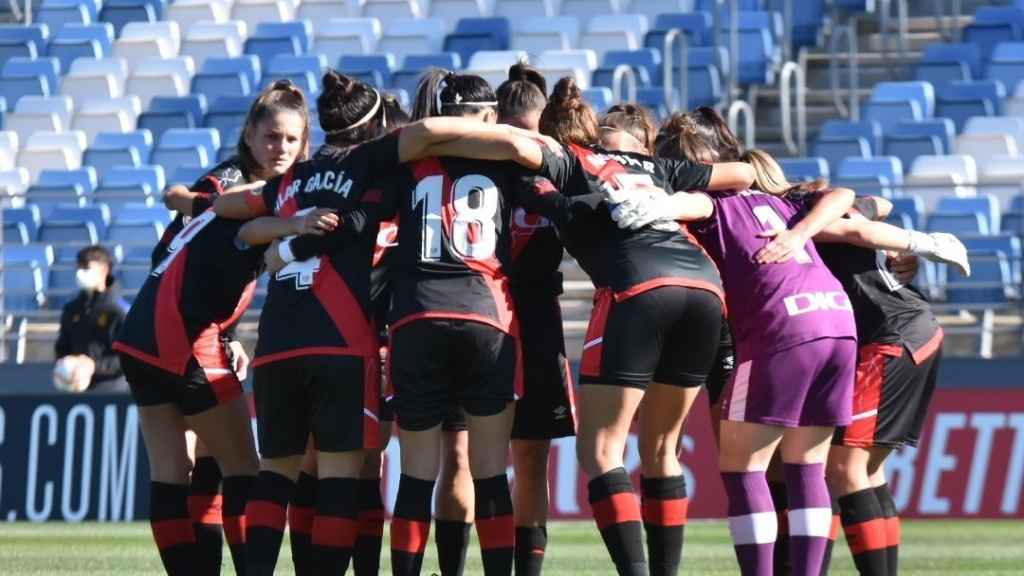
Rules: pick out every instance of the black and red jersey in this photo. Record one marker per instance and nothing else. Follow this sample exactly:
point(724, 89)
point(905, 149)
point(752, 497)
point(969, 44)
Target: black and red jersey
point(227, 174)
point(626, 261)
point(454, 242)
point(201, 286)
point(320, 304)
point(536, 252)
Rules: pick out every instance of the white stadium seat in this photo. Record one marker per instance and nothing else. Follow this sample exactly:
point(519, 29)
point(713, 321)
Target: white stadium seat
point(412, 36)
point(252, 12)
point(214, 40)
point(106, 115)
point(52, 151)
point(388, 10)
point(346, 36)
point(8, 149)
point(554, 64)
point(982, 146)
point(935, 176)
point(493, 65)
point(1009, 125)
point(537, 34)
point(452, 10)
point(520, 9)
point(320, 12)
point(88, 78)
point(587, 9)
point(651, 8)
point(614, 32)
point(14, 182)
point(189, 12)
point(164, 77)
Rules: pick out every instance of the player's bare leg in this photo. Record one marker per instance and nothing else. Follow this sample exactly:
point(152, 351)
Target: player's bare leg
point(366, 558)
point(410, 523)
point(663, 489)
point(336, 524)
point(605, 415)
point(530, 503)
point(453, 516)
point(489, 438)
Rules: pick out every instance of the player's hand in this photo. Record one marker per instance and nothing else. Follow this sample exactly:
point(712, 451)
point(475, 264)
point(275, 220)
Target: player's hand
point(273, 259)
point(784, 245)
point(903, 267)
point(239, 359)
point(319, 222)
point(249, 187)
point(82, 373)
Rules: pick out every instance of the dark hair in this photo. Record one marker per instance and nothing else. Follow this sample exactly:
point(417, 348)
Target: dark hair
point(97, 253)
point(712, 126)
point(444, 93)
point(394, 115)
point(567, 117)
point(281, 96)
point(343, 107)
point(524, 92)
point(681, 139)
point(634, 120)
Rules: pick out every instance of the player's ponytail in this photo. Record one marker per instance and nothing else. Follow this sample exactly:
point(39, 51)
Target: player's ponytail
point(444, 93)
point(681, 139)
point(567, 117)
point(524, 93)
point(350, 111)
point(769, 177)
point(713, 127)
point(633, 120)
point(281, 96)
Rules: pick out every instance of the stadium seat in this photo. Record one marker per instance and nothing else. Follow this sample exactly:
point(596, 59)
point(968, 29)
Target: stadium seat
point(24, 124)
point(186, 175)
point(215, 85)
point(600, 98)
point(141, 41)
point(835, 150)
point(166, 112)
point(554, 64)
point(23, 40)
point(101, 32)
point(804, 169)
point(303, 71)
point(475, 34)
point(957, 224)
point(160, 77)
point(23, 287)
point(908, 140)
point(227, 114)
point(28, 218)
point(655, 99)
point(23, 77)
point(66, 52)
point(935, 176)
point(40, 254)
point(870, 131)
point(97, 214)
point(8, 149)
point(372, 67)
point(187, 13)
point(698, 27)
point(13, 183)
point(97, 115)
point(454, 9)
point(346, 36)
point(888, 167)
point(959, 101)
point(18, 49)
point(1006, 64)
point(986, 35)
point(614, 32)
point(940, 73)
point(135, 213)
point(984, 204)
point(112, 149)
point(119, 13)
point(214, 40)
point(55, 17)
point(125, 184)
point(84, 177)
point(1001, 176)
point(517, 10)
point(493, 65)
point(268, 47)
point(387, 10)
point(1009, 125)
point(411, 36)
point(920, 92)
point(1009, 244)
point(587, 9)
point(955, 53)
point(61, 232)
point(195, 148)
point(538, 34)
point(322, 13)
point(645, 64)
point(100, 78)
point(52, 150)
point(299, 29)
point(911, 206)
point(138, 233)
point(986, 145)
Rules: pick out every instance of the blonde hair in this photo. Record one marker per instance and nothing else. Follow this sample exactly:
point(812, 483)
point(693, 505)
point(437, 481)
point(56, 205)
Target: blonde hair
point(768, 175)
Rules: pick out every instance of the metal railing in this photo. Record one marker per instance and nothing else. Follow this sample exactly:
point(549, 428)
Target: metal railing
point(624, 73)
point(884, 16)
point(949, 24)
point(741, 107)
point(849, 32)
point(792, 74)
point(676, 38)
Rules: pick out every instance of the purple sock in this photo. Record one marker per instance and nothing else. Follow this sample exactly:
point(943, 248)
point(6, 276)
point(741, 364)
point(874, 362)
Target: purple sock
point(752, 521)
point(810, 517)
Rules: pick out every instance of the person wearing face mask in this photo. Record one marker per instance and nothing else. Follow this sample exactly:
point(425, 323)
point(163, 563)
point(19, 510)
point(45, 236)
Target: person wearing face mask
point(88, 326)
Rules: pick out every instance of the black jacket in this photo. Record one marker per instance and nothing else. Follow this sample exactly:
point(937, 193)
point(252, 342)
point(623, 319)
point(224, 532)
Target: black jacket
point(88, 325)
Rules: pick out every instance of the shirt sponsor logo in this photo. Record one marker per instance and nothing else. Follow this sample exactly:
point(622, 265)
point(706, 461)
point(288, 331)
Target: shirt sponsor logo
point(807, 302)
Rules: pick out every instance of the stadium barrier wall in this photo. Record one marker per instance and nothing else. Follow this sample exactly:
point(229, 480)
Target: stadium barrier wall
point(74, 458)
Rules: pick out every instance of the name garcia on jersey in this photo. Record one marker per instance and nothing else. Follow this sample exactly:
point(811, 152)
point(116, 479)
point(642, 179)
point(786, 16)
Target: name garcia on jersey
point(326, 180)
point(599, 159)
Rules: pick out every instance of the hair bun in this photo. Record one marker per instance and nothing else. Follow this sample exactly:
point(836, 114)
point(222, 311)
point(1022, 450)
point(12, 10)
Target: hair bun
point(567, 94)
point(334, 81)
point(523, 72)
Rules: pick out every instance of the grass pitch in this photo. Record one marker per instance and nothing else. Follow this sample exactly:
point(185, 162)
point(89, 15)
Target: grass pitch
point(975, 548)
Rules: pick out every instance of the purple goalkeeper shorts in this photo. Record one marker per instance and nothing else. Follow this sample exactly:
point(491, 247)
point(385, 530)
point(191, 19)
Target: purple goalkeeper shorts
point(809, 384)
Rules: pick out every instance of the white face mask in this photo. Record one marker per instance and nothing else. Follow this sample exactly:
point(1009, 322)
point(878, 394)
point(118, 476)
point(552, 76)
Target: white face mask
point(89, 279)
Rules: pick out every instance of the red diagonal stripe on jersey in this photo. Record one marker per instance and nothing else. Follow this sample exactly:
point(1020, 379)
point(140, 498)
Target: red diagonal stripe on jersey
point(290, 206)
point(929, 348)
point(172, 343)
point(347, 315)
point(590, 361)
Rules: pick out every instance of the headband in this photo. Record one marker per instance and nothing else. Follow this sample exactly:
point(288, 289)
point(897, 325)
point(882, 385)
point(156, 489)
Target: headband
point(458, 98)
point(369, 116)
point(626, 132)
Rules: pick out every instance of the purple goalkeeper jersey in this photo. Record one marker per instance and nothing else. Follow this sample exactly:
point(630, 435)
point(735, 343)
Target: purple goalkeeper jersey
point(771, 306)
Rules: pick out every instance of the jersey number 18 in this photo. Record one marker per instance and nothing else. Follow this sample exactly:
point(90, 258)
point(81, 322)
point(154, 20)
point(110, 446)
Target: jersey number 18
point(474, 235)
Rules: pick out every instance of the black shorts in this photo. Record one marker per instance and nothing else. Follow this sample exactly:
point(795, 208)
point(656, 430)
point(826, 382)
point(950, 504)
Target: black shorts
point(667, 335)
point(334, 398)
point(891, 395)
point(721, 370)
point(434, 362)
point(547, 408)
point(198, 390)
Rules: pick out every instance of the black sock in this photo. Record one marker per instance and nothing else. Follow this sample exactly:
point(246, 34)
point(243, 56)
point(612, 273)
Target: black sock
point(833, 533)
point(236, 496)
point(172, 528)
point(892, 528)
point(366, 557)
point(864, 526)
point(664, 506)
point(617, 514)
point(265, 517)
point(451, 538)
point(531, 543)
point(335, 525)
point(782, 566)
point(495, 527)
point(300, 524)
point(204, 506)
point(410, 525)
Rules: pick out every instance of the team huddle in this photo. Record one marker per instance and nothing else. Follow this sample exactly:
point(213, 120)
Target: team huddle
point(413, 279)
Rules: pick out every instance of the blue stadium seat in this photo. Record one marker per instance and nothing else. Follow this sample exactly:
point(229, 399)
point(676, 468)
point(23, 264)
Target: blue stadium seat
point(475, 34)
point(227, 113)
point(38, 254)
point(17, 49)
point(23, 77)
point(16, 233)
point(1000, 14)
point(142, 233)
point(834, 151)
point(48, 198)
point(186, 175)
point(698, 27)
point(908, 140)
point(940, 73)
point(132, 277)
point(986, 35)
point(28, 217)
point(84, 177)
point(100, 32)
point(140, 140)
point(248, 65)
point(958, 223)
point(899, 221)
point(868, 130)
point(97, 215)
point(808, 16)
point(23, 287)
point(804, 169)
point(1006, 64)
point(653, 97)
point(955, 53)
point(136, 213)
point(195, 148)
point(889, 167)
point(35, 34)
point(920, 92)
point(600, 98)
point(984, 204)
point(912, 206)
point(959, 101)
point(374, 66)
point(1009, 244)
point(55, 231)
point(868, 185)
point(66, 52)
point(302, 30)
point(988, 286)
point(57, 16)
point(756, 55)
point(121, 12)
point(704, 79)
point(303, 71)
point(267, 48)
point(646, 59)
point(149, 177)
point(217, 85)
point(605, 76)
point(422, 62)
